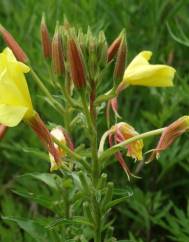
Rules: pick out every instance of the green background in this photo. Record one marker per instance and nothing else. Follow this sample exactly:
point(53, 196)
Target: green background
point(159, 209)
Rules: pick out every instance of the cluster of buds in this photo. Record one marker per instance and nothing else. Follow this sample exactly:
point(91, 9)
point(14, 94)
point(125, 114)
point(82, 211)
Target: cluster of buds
point(83, 55)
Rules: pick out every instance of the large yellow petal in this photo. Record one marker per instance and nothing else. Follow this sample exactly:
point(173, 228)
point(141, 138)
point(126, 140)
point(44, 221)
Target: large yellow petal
point(9, 92)
point(9, 57)
point(11, 115)
point(140, 60)
point(151, 75)
point(141, 72)
point(15, 73)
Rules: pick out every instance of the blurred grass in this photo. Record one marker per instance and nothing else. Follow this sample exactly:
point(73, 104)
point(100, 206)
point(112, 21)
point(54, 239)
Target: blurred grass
point(164, 182)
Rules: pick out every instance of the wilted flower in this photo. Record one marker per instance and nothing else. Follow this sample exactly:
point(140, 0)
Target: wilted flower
point(121, 132)
point(59, 135)
point(13, 44)
point(63, 137)
point(140, 72)
point(169, 135)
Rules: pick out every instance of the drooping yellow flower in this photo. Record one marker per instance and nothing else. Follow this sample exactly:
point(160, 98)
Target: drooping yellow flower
point(123, 131)
point(15, 101)
point(140, 72)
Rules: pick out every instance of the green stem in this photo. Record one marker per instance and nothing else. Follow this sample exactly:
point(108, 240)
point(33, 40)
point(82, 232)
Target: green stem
point(91, 122)
point(69, 99)
point(93, 139)
point(111, 151)
point(72, 154)
point(54, 102)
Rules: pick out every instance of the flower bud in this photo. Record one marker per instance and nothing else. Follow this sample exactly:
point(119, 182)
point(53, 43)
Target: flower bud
point(113, 48)
point(120, 60)
point(45, 137)
point(76, 62)
point(14, 46)
point(45, 39)
point(102, 49)
point(57, 53)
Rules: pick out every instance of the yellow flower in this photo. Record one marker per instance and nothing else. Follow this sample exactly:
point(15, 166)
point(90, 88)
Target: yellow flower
point(140, 72)
point(15, 101)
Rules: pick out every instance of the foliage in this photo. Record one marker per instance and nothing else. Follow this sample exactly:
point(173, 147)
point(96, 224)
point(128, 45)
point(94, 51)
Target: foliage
point(29, 195)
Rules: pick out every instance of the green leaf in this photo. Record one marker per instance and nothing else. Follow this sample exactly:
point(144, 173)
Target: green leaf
point(40, 199)
point(34, 229)
point(74, 220)
point(117, 201)
point(49, 179)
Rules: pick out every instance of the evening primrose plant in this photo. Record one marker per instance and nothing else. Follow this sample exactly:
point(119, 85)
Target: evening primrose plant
point(79, 63)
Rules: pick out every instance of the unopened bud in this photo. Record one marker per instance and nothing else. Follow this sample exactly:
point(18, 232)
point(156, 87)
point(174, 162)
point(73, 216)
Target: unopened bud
point(45, 137)
point(77, 69)
point(13, 44)
point(112, 50)
point(45, 39)
point(120, 60)
point(57, 54)
point(102, 49)
point(66, 24)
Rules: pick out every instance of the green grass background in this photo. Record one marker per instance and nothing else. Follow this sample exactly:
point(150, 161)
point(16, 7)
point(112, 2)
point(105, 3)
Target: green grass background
point(159, 209)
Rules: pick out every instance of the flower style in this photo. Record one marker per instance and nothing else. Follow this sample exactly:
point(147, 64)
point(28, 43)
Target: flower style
point(140, 72)
point(15, 101)
point(121, 132)
point(169, 135)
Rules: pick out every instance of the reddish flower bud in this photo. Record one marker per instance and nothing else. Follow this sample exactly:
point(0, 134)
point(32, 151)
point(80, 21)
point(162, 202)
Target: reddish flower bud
point(13, 44)
point(112, 50)
point(3, 130)
point(45, 39)
point(38, 126)
point(77, 69)
point(120, 60)
point(57, 54)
